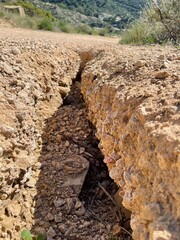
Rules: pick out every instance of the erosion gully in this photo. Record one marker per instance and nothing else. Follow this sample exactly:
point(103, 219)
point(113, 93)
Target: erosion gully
point(75, 201)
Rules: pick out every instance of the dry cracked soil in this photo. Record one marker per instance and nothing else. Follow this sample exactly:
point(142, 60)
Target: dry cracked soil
point(89, 138)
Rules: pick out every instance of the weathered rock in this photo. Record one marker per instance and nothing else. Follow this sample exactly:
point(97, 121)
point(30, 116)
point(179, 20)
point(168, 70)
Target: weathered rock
point(161, 75)
point(51, 233)
point(31, 183)
point(7, 69)
point(15, 50)
point(1, 151)
point(116, 230)
point(76, 168)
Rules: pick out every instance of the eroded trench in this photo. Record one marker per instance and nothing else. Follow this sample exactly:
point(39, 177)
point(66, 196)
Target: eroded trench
point(47, 147)
point(75, 195)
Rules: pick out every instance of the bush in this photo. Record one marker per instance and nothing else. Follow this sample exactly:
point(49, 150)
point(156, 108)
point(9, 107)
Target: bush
point(84, 29)
point(45, 24)
point(159, 22)
point(33, 11)
point(65, 27)
point(139, 33)
point(24, 22)
point(103, 32)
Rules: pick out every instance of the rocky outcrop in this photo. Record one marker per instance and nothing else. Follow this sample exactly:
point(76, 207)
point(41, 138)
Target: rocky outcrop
point(133, 100)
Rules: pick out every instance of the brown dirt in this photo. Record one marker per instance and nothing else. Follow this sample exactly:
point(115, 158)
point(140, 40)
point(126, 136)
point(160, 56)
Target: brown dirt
point(132, 98)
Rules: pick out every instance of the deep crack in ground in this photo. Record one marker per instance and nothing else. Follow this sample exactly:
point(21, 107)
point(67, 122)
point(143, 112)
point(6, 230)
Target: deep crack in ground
point(60, 210)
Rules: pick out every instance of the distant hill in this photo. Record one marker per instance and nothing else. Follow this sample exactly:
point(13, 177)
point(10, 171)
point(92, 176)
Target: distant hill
point(103, 13)
point(111, 14)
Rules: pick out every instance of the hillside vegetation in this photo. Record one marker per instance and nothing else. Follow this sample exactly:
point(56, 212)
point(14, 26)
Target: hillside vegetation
point(159, 23)
point(109, 15)
point(114, 12)
point(41, 18)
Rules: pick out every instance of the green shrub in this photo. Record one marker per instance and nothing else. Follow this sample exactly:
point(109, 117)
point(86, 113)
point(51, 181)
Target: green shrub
point(103, 32)
point(32, 10)
point(26, 235)
point(84, 29)
point(65, 27)
point(139, 33)
point(159, 22)
point(45, 24)
point(23, 22)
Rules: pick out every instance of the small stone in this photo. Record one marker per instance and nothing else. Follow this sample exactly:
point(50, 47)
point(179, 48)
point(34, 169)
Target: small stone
point(59, 202)
point(177, 94)
point(7, 69)
point(51, 232)
point(70, 204)
point(86, 224)
point(78, 204)
point(116, 230)
point(27, 205)
point(81, 211)
point(108, 227)
point(16, 68)
point(49, 217)
point(161, 57)
point(3, 196)
point(39, 230)
point(64, 91)
point(161, 75)
point(31, 183)
point(162, 235)
point(139, 64)
point(58, 218)
point(7, 131)
point(15, 50)
point(58, 137)
point(67, 144)
point(1, 151)
point(62, 228)
point(81, 150)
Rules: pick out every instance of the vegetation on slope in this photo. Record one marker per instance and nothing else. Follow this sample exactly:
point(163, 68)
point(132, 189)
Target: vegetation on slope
point(114, 13)
point(37, 18)
point(159, 23)
point(86, 16)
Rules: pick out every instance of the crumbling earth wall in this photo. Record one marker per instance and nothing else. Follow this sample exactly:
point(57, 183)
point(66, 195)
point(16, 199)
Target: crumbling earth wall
point(133, 100)
point(34, 77)
point(132, 96)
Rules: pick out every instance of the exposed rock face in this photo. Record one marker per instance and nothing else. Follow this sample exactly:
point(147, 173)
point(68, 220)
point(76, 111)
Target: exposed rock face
point(134, 105)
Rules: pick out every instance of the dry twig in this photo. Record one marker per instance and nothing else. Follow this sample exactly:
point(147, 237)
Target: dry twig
point(112, 199)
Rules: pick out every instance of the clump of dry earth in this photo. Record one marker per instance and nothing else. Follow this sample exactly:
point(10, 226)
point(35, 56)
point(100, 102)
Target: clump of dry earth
point(132, 98)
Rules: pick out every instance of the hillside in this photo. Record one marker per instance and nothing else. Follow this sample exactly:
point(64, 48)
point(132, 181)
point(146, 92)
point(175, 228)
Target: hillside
point(110, 14)
point(101, 13)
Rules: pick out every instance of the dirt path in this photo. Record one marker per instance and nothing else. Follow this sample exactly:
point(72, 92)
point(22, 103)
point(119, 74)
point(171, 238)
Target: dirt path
point(63, 38)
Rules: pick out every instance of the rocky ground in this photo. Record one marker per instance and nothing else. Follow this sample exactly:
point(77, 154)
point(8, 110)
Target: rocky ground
point(133, 100)
point(48, 147)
